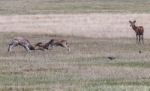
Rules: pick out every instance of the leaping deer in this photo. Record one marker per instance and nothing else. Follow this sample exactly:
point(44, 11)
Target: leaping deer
point(139, 30)
point(54, 42)
point(42, 45)
point(20, 41)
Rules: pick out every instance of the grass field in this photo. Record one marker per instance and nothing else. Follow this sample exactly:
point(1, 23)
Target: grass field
point(73, 6)
point(85, 68)
point(84, 25)
point(101, 34)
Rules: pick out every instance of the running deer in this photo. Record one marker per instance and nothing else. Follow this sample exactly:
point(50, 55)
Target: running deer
point(42, 45)
point(139, 30)
point(59, 42)
point(52, 43)
point(20, 41)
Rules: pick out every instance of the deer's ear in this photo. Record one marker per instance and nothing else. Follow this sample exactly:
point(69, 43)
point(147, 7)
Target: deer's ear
point(129, 21)
point(134, 21)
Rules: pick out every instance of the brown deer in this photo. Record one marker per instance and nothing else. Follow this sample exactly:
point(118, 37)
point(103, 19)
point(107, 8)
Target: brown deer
point(20, 41)
point(42, 45)
point(139, 30)
point(59, 42)
point(52, 43)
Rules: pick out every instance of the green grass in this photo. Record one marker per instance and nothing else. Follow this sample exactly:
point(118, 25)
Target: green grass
point(73, 6)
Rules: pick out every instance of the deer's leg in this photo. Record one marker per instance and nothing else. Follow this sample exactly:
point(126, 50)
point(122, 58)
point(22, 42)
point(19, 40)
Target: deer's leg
point(139, 38)
point(142, 39)
point(66, 46)
point(26, 48)
point(11, 46)
point(136, 38)
point(68, 49)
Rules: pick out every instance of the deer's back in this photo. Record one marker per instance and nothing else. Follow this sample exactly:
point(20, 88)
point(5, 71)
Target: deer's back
point(21, 41)
point(140, 30)
point(59, 41)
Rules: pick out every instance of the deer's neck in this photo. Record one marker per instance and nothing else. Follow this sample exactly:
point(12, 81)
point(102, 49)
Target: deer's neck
point(134, 28)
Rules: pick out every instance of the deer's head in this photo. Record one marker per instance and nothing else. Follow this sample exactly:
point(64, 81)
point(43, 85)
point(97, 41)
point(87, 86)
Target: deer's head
point(51, 42)
point(132, 23)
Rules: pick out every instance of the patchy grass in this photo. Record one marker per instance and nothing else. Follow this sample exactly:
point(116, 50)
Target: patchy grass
point(85, 68)
point(73, 6)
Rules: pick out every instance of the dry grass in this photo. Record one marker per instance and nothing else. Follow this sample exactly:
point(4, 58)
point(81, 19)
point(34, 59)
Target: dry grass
point(85, 25)
point(73, 6)
point(85, 68)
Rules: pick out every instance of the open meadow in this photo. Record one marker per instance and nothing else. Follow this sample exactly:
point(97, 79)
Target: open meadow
point(73, 6)
point(86, 68)
point(96, 30)
point(92, 38)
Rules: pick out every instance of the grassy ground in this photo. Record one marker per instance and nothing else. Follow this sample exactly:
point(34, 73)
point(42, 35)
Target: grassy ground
point(73, 6)
point(85, 25)
point(85, 68)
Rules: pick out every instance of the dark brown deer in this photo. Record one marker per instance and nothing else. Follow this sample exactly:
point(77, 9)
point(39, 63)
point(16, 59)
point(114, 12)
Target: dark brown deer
point(52, 43)
point(139, 30)
point(20, 41)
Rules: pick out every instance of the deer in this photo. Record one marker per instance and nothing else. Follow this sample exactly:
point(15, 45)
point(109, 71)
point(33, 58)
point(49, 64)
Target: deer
point(53, 43)
point(42, 45)
point(59, 42)
point(139, 30)
point(21, 41)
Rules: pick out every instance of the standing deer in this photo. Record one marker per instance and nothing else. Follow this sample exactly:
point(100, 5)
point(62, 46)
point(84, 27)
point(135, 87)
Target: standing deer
point(139, 30)
point(20, 41)
point(52, 43)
